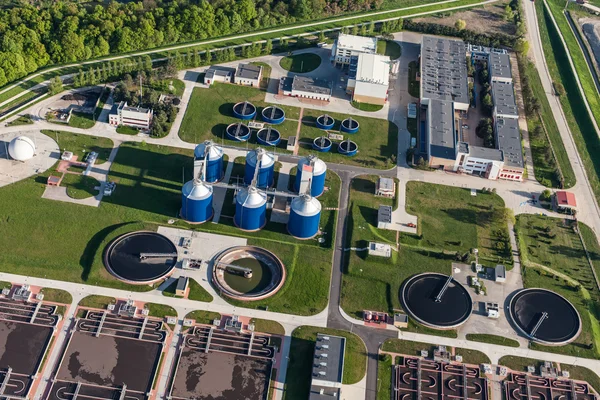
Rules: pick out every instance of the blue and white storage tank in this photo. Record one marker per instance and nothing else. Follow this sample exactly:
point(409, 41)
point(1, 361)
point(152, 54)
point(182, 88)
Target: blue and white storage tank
point(305, 215)
point(214, 160)
point(196, 201)
point(250, 209)
point(319, 173)
point(266, 171)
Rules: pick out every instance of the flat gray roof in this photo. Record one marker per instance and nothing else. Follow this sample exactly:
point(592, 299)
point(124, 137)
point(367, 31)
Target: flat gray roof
point(248, 71)
point(503, 97)
point(218, 71)
point(486, 153)
point(384, 214)
point(499, 66)
point(500, 271)
point(444, 69)
point(508, 139)
point(312, 85)
point(442, 143)
point(328, 361)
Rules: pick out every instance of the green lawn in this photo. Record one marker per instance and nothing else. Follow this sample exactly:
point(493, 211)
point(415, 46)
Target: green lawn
point(127, 130)
point(578, 119)
point(267, 326)
point(414, 89)
point(160, 310)
point(96, 301)
point(366, 106)
point(377, 140)
point(300, 63)
point(576, 372)
point(548, 241)
point(57, 296)
point(81, 120)
point(373, 283)
point(80, 145)
point(203, 317)
point(301, 358)
point(389, 48)
point(80, 186)
point(198, 293)
point(22, 120)
point(493, 339)
point(384, 377)
point(210, 111)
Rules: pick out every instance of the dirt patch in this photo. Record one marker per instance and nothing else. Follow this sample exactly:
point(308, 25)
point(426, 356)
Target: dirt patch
point(488, 19)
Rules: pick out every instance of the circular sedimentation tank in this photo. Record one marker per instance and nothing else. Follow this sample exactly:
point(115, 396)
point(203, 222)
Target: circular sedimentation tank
point(248, 273)
point(213, 155)
point(273, 115)
point(244, 110)
point(268, 137)
point(322, 144)
point(196, 201)
point(141, 257)
point(349, 125)
point(545, 317)
point(348, 148)
point(436, 300)
point(238, 131)
point(325, 122)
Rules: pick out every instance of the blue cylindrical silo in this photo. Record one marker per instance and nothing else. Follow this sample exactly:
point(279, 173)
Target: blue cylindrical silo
point(305, 215)
point(214, 160)
point(196, 201)
point(319, 173)
point(250, 209)
point(266, 169)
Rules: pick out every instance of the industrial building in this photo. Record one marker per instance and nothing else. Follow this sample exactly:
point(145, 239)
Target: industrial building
point(346, 46)
point(218, 74)
point(369, 78)
point(444, 96)
point(306, 87)
point(327, 367)
point(136, 117)
point(248, 75)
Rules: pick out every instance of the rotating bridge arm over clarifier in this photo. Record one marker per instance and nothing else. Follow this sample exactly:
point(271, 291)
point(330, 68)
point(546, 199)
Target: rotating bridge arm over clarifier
point(440, 295)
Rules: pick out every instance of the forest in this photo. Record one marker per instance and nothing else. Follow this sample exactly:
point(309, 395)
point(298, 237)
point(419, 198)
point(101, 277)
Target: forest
point(34, 34)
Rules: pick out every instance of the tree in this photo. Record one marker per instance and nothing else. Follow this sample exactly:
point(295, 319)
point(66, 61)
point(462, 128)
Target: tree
point(268, 46)
point(354, 30)
point(521, 46)
point(546, 195)
point(55, 86)
point(509, 15)
point(559, 89)
point(322, 37)
point(460, 24)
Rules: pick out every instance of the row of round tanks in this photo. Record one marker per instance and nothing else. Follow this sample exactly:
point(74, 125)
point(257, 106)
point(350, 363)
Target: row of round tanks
point(266, 168)
point(319, 173)
point(213, 155)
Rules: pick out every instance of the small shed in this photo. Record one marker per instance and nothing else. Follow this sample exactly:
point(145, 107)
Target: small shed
point(291, 143)
point(182, 285)
point(565, 201)
point(400, 320)
point(386, 187)
point(500, 273)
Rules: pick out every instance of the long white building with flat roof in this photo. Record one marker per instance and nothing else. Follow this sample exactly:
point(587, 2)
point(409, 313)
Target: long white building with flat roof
point(346, 46)
point(136, 117)
point(369, 78)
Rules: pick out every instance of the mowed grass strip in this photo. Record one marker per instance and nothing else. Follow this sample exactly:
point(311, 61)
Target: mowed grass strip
point(80, 145)
point(80, 186)
point(301, 359)
point(411, 348)
point(389, 48)
point(492, 339)
point(203, 317)
point(300, 63)
point(57, 295)
point(579, 121)
point(97, 301)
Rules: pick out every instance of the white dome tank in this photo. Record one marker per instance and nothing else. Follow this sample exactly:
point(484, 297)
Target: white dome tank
point(21, 148)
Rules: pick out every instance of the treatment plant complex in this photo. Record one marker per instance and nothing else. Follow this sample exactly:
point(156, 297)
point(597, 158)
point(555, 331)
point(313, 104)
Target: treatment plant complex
point(355, 217)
